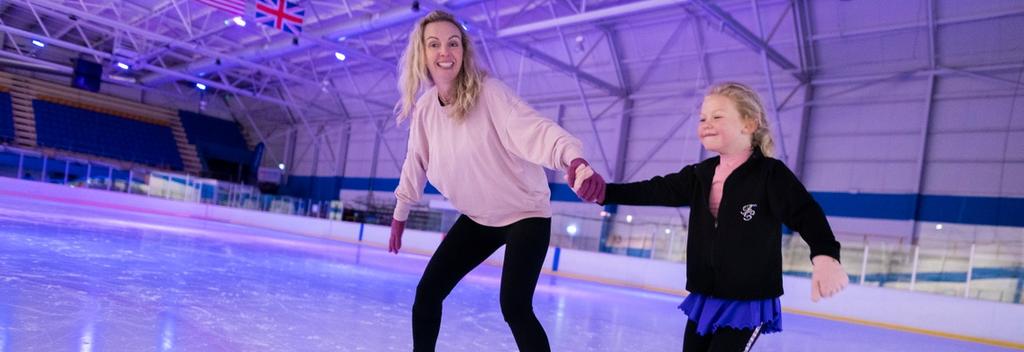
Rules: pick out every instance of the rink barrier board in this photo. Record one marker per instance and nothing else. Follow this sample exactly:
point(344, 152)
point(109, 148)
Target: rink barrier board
point(977, 321)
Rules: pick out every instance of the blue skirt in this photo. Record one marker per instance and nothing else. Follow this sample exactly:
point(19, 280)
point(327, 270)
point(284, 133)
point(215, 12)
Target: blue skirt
point(710, 313)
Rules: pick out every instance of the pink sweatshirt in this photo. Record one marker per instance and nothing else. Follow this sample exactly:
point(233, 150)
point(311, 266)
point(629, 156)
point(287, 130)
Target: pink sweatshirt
point(488, 164)
point(726, 165)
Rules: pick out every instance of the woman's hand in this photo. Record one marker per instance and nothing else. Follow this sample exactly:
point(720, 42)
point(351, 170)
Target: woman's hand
point(395, 243)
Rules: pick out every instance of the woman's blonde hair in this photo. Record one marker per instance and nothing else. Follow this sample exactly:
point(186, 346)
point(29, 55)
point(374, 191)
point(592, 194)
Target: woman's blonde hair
point(413, 75)
point(749, 105)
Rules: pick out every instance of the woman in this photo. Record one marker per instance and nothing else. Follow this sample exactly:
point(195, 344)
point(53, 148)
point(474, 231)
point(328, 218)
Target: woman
point(483, 148)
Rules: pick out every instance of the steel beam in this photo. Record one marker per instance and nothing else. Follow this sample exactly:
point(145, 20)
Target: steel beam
point(745, 36)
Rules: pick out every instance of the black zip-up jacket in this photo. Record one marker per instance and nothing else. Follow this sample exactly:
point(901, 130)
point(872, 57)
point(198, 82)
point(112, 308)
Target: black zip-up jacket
point(740, 255)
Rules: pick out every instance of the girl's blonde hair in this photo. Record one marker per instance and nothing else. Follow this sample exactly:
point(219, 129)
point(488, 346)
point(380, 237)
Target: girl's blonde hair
point(749, 105)
point(413, 76)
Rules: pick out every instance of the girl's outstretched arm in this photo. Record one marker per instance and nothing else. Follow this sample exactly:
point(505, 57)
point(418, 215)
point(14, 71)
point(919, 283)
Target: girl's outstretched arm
point(673, 190)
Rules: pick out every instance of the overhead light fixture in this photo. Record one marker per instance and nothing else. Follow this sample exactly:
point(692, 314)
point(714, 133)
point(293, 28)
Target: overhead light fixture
point(130, 80)
point(239, 21)
point(280, 166)
point(339, 55)
point(38, 43)
point(123, 66)
point(571, 229)
point(201, 86)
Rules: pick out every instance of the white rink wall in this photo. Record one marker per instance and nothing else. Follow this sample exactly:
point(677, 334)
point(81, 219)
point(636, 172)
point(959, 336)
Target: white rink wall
point(977, 320)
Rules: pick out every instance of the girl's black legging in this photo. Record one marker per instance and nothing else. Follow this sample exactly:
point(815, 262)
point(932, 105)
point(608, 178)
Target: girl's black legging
point(724, 339)
point(467, 245)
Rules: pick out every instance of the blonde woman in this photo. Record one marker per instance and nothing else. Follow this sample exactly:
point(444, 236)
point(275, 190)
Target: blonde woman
point(483, 148)
point(738, 202)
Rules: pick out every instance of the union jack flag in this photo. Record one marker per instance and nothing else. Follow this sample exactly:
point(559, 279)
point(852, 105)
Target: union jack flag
point(281, 14)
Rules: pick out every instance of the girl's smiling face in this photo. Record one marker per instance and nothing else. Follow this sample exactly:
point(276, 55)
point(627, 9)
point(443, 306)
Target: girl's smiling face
point(722, 129)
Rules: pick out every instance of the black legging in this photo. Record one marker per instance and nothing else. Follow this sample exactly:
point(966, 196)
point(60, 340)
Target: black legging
point(724, 339)
point(467, 245)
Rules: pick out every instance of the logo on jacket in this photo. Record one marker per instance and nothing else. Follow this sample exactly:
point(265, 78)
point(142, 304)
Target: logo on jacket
point(748, 212)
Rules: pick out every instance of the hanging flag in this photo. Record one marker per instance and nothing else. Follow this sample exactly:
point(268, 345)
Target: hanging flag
point(234, 7)
point(281, 14)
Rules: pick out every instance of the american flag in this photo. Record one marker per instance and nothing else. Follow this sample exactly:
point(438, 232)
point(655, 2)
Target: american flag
point(281, 14)
point(234, 7)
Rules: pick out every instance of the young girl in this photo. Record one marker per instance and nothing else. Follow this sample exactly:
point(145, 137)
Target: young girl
point(738, 202)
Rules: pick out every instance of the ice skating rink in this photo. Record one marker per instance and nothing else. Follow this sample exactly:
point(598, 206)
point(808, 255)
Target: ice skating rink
point(79, 278)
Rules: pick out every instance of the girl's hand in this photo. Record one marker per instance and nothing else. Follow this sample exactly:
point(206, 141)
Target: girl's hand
point(827, 277)
point(590, 186)
point(582, 174)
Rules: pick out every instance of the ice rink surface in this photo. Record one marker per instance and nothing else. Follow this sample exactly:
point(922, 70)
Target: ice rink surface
point(77, 278)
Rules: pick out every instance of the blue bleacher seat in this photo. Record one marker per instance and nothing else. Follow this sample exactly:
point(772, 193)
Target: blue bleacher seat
point(89, 132)
point(215, 138)
point(201, 130)
point(6, 118)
